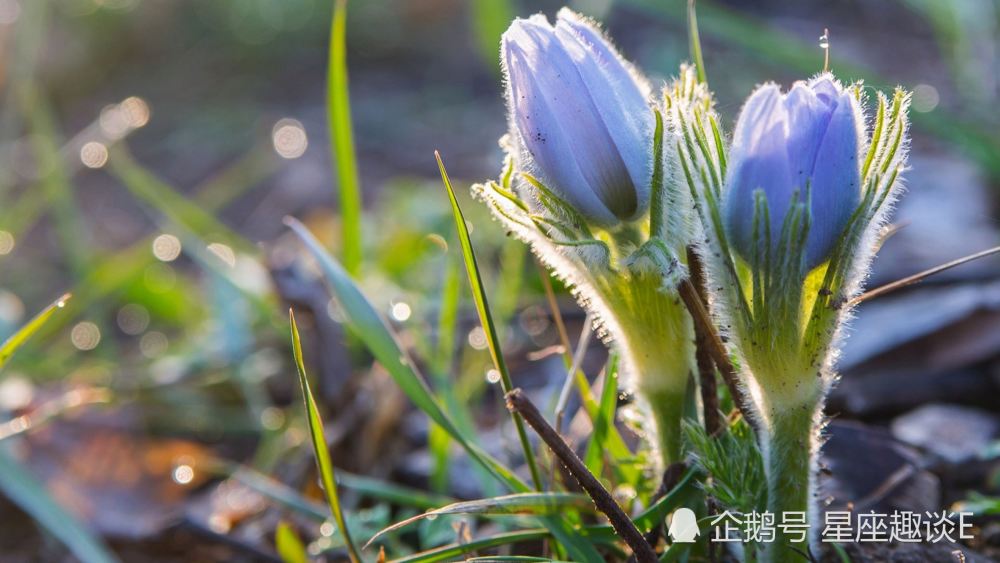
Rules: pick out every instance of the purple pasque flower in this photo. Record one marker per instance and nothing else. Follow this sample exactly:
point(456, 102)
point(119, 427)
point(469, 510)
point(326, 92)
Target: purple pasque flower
point(804, 144)
point(581, 116)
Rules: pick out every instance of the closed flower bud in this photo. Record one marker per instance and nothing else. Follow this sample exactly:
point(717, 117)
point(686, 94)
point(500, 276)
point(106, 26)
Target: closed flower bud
point(805, 145)
point(581, 116)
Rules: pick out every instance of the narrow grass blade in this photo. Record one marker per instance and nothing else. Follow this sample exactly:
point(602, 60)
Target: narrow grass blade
point(486, 318)
point(616, 446)
point(338, 111)
point(20, 486)
point(604, 421)
point(21, 336)
point(167, 200)
point(371, 327)
point(322, 451)
point(443, 358)
point(525, 503)
point(109, 274)
point(513, 558)
point(391, 492)
point(288, 544)
point(655, 514)
point(55, 181)
point(454, 551)
point(280, 493)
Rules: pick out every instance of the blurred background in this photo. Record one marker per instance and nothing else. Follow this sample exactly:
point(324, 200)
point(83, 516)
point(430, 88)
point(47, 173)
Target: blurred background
point(149, 150)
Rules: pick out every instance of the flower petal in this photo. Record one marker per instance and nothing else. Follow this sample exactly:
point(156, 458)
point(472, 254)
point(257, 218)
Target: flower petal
point(540, 131)
point(836, 180)
point(620, 95)
point(760, 162)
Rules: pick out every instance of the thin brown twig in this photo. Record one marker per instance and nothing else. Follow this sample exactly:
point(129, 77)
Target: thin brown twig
point(519, 403)
point(717, 349)
point(910, 280)
point(703, 358)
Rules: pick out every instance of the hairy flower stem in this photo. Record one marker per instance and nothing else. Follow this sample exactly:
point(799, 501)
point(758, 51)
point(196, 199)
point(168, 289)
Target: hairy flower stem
point(790, 449)
point(667, 408)
point(654, 334)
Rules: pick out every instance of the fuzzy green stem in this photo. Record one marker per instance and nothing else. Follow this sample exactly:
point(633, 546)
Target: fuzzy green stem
point(790, 453)
point(656, 339)
point(667, 408)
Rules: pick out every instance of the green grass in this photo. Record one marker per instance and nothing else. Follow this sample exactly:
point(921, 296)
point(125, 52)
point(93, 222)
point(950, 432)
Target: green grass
point(338, 110)
point(320, 447)
point(19, 484)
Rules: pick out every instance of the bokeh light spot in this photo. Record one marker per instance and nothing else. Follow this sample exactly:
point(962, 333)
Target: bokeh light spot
point(223, 252)
point(133, 319)
point(166, 248)
point(477, 338)
point(135, 111)
point(183, 474)
point(925, 98)
point(94, 154)
point(153, 344)
point(493, 376)
point(289, 138)
point(401, 311)
point(85, 336)
point(10, 10)
point(6, 243)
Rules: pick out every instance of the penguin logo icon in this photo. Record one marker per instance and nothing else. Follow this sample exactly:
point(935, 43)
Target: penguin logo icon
point(683, 526)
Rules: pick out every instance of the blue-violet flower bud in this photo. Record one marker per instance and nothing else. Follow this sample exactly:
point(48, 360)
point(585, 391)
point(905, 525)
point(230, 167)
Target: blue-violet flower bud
point(581, 116)
point(805, 142)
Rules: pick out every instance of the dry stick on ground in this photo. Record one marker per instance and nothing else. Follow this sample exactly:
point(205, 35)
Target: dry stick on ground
point(703, 322)
point(703, 358)
point(519, 403)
